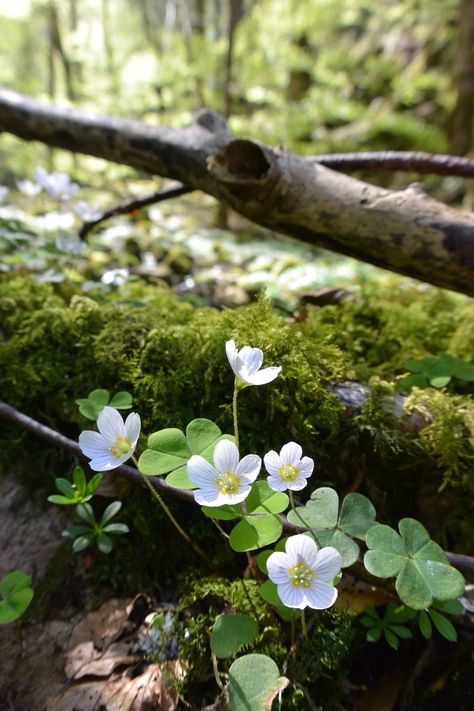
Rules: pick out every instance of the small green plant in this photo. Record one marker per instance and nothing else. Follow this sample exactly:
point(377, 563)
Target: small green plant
point(91, 406)
point(92, 530)
point(436, 371)
point(15, 596)
point(79, 491)
point(391, 625)
point(433, 616)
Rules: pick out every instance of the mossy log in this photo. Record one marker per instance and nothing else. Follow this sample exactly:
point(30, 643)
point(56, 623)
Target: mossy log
point(405, 231)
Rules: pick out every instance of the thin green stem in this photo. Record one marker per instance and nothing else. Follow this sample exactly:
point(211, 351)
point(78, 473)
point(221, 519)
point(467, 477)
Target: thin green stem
point(303, 625)
point(220, 529)
point(290, 496)
point(234, 415)
point(165, 508)
point(216, 672)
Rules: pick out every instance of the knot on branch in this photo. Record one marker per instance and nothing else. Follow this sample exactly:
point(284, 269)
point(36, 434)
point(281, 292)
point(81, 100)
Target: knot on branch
point(249, 171)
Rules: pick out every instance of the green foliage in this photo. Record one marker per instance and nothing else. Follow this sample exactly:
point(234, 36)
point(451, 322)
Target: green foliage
point(421, 568)
point(260, 525)
point(92, 530)
point(95, 402)
point(333, 528)
point(436, 371)
point(230, 633)
point(77, 492)
point(391, 625)
point(433, 615)
point(254, 680)
point(15, 596)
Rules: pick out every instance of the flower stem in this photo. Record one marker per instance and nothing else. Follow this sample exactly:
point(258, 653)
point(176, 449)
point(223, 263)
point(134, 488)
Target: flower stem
point(303, 625)
point(165, 508)
point(234, 414)
point(216, 672)
point(290, 496)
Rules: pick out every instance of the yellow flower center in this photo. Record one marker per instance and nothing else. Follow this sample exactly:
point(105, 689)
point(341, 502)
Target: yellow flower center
point(301, 576)
point(288, 472)
point(228, 483)
point(121, 446)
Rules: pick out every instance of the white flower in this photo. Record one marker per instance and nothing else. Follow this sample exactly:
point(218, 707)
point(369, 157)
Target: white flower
point(87, 212)
point(288, 470)
point(246, 365)
point(115, 441)
point(28, 187)
point(229, 481)
point(58, 185)
point(302, 574)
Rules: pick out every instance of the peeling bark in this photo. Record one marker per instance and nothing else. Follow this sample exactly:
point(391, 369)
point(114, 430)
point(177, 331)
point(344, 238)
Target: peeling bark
point(405, 231)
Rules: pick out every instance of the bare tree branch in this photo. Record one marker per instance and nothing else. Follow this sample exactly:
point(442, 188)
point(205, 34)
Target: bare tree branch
point(414, 161)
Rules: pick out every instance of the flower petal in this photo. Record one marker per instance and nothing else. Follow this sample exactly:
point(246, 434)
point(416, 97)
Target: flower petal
point(201, 472)
point(298, 484)
point(306, 466)
point(239, 496)
point(301, 548)
point(132, 426)
point(277, 484)
point(320, 595)
point(262, 377)
point(231, 352)
point(110, 424)
point(328, 563)
point(226, 456)
point(92, 444)
point(252, 358)
point(249, 467)
point(277, 567)
point(105, 462)
point(272, 462)
point(207, 496)
point(291, 596)
point(291, 453)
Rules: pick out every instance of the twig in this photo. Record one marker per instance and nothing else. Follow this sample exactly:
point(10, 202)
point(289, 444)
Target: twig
point(131, 205)
point(7, 412)
point(416, 161)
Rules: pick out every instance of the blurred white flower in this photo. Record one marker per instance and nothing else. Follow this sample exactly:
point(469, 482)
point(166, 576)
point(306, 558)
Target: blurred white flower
point(115, 277)
point(302, 573)
point(228, 481)
point(246, 365)
point(28, 187)
point(59, 186)
point(3, 192)
point(70, 243)
point(87, 212)
point(115, 441)
point(288, 470)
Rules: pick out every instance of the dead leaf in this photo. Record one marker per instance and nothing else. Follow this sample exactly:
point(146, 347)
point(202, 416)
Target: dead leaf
point(85, 660)
point(354, 595)
point(112, 620)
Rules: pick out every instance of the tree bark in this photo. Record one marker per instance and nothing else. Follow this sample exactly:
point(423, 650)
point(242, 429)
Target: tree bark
point(405, 231)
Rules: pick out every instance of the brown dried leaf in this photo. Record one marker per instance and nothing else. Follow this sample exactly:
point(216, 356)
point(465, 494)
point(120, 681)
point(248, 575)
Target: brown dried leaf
point(85, 660)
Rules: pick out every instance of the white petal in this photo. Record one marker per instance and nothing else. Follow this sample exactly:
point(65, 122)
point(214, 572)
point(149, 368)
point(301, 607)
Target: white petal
point(252, 358)
point(262, 377)
point(104, 463)
point(231, 352)
point(226, 456)
point(272, 462)
point(207, 496)
point(132, 427)
point(301, 548)
point(110, 424)
point(239, 496)
point(321, 595)
point(328, 563)
point(249, 467)
point(291, 453)
point(306, 466)
point(298, 484)
point(277, 566)
point(92, 443)
point(291, 596)
point(277, 484)
point(201, 472)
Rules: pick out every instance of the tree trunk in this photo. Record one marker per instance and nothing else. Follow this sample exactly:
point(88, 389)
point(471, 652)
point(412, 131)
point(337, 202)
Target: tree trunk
point(405, 231)
point(462, 122)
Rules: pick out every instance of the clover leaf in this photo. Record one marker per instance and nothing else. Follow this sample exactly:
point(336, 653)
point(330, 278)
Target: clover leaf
point(254, 681)
point(230, 633)
point(260, 524)
point(15, 596)
point(333, 528)
point(436, 371)
point(422, 570)
point(169, 450)
point(91, 406)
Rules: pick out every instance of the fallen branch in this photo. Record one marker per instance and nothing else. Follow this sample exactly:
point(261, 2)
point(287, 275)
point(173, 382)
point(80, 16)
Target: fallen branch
point(402, 230)
point(7, 412)
point(137, 204)
point(409, 161)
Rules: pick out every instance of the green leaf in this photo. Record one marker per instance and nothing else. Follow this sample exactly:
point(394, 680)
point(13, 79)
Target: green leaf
point(452, 607)
point(180, 480)
point(357, 515)
point(111, 510)
point(230, 633)
point(263, 499)
point(81, 543)
point(167, 450)
point(411, 381)
point(254, 681)
point(320, 511)
point(85, 512)
point(116, 528)
point(422, 569)
point(65, 487)
point(262, 558)
point(444, 626)
point(255, 532)
point(88, 409)
point(374, 634)
point(79, 479)
point(17, 595)
point(64, 500)
point(99, 397)
point(77, 530)
point(464, 371)
point(104, 543)
point(202, 436)
point(93, 484)
point(392, 639)
point(424, 622)
point(122, 400)
point(401, 631)
point(223, 513)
